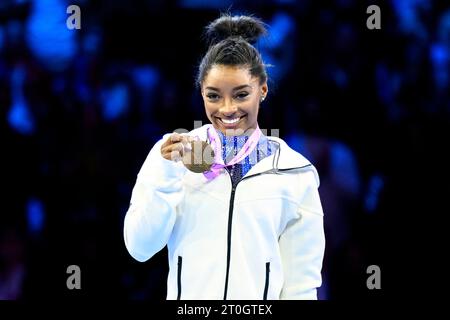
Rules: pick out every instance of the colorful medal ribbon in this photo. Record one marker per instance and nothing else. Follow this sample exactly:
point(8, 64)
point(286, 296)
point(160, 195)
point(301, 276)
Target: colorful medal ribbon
point(216, 145)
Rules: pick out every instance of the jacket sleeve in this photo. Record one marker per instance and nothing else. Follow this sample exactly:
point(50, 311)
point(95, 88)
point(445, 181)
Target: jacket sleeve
point(152, 213)
point(302, 245)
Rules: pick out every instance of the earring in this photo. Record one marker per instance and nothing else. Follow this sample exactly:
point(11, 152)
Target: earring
point(262, 98)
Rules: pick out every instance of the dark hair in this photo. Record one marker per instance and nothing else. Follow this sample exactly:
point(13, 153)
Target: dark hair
point(231, 40)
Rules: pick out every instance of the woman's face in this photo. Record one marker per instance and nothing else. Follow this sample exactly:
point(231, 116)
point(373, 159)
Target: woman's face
point(232, 96)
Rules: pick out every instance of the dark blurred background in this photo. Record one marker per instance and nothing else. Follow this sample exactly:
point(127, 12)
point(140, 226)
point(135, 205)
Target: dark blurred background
point(80, 110)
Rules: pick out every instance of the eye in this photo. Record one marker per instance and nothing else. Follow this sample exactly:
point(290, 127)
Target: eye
point(242, 95)
point(212, 96)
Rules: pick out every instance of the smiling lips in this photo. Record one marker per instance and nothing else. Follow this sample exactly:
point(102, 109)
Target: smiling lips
point(230, 121)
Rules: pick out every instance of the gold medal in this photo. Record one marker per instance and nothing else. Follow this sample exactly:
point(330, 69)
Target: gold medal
point(199, 158)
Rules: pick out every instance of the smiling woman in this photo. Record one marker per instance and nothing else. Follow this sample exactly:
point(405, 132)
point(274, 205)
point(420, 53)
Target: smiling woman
point(263, 240)
point(232, 96)
point(232, 75)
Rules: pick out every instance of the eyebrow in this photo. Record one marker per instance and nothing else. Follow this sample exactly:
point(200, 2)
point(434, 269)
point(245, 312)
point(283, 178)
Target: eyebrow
point(234, 89)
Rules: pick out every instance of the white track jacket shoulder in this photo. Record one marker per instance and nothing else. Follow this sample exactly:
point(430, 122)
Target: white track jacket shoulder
point(263, 239)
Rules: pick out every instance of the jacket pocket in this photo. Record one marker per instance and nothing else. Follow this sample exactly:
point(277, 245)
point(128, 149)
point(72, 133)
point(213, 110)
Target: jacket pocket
point(180, 265)
point(266, 285)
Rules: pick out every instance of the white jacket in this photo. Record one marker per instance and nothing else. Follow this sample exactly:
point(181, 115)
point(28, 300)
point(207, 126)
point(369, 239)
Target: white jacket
point(262, 240)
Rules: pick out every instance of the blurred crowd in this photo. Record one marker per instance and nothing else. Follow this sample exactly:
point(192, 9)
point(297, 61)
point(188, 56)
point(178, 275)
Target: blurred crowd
point(80, 110)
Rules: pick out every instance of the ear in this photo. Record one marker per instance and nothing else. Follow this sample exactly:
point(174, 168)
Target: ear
point(264, 89)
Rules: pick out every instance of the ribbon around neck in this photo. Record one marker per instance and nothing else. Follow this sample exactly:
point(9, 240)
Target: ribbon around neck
point(216, 144)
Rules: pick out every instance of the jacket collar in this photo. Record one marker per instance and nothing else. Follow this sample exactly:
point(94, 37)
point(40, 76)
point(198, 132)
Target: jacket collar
point(283, 157)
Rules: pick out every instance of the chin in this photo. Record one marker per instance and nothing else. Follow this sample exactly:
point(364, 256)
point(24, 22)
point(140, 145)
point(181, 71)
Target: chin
point(235, 131)
point(230, 130)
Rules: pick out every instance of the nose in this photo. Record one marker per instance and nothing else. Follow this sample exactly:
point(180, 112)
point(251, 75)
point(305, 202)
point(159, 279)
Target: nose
point(228, 108)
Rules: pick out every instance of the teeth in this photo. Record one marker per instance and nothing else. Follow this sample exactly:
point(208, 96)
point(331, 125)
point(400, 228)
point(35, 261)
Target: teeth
point(230, 121)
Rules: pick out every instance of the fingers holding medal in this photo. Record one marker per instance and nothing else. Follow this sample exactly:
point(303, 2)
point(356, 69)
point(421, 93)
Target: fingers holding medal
point(196, 155)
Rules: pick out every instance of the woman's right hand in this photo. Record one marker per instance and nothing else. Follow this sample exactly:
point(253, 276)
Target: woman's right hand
point(174, 147)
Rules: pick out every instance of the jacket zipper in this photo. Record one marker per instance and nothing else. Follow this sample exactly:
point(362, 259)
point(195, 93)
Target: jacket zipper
point(266, 286)
point(180, 264)
point(230, 216)
point(230, 220)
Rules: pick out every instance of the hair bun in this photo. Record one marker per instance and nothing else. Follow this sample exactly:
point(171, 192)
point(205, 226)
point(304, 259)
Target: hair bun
point(249, 28)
